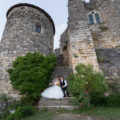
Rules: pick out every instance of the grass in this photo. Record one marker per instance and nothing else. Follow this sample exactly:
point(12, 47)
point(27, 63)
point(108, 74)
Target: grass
point(106, 113)
point(42, 115)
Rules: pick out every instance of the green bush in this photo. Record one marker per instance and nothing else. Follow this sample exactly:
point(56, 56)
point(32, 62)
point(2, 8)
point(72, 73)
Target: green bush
point(10, 117)
point(5, 98)
point(85, 82)
point(98, 99)
point(114, 87)
point(21, 112)
point(30, 75)
point(24, 111)
point(4, 115)
point(113, 100)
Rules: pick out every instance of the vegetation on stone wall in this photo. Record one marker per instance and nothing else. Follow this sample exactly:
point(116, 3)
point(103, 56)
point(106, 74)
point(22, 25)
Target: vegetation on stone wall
point(100, 58)
point(31, 74)
point(118, 47)
point(85, 82)
point(4, 100)
point(114, 86)
point(75, 55)
point(65, 46)
point(103, 27)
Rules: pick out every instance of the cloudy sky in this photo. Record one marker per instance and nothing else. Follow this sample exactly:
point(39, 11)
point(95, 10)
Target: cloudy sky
point(56, 8)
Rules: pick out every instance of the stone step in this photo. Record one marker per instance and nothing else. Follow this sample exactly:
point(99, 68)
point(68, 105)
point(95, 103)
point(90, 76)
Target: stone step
point(66, 99)
point(53, 102)
point(56, 103)
point(68, 107)
point(61, 70)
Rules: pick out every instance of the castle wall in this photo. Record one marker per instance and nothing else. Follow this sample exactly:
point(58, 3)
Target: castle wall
point(109, 12)
point(83, 37)
point(20, 36)
point(81, 47)
point(64, 47)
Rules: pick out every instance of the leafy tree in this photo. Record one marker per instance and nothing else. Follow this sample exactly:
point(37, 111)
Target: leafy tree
point(31, 74)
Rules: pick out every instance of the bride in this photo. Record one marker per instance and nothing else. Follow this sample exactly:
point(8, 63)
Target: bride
point(54, 92)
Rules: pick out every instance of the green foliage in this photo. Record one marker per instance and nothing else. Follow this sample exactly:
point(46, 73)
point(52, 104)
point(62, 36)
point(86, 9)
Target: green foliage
point(86, 81)
point(30, 75)
point(5, 99)
point(114, 87)
point(103, 28)
point(20, 111)
point(65, 47)
point(101, 59)
point(113, 100)
point(24, 111)
point(4, 115)
point(98, 98)
point(118, 47)
point(75, 55)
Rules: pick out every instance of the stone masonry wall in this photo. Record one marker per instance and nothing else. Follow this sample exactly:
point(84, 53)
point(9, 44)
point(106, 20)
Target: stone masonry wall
point(109, 62)
point(64, 41)
point(109, 12)
point(81, 47)
point(82, 37)
point(20, 37)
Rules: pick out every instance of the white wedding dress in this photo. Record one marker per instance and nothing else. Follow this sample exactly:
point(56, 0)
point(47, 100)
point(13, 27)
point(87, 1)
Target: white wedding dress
point(54, 92)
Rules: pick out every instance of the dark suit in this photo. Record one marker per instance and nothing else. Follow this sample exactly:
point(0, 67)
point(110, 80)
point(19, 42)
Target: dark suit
point(62, 84)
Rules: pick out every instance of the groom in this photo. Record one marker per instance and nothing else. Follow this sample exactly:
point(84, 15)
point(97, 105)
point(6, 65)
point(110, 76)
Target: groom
point(64, 85)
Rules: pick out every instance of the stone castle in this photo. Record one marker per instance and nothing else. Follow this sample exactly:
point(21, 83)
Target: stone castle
point(93, 28)
point(28, 29)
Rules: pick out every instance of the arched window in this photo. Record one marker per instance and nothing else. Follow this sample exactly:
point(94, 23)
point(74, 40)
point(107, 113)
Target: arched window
point(91, 19)
point(97, 17)
point(94, 18)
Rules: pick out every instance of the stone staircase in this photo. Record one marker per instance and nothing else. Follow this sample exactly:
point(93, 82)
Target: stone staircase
point(62, 70)
point(52, 104)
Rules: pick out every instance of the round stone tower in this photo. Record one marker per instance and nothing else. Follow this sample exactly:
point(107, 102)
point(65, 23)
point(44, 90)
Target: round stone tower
point(28, 29)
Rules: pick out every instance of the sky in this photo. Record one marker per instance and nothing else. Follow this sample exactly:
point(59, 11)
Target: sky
point(57, 9)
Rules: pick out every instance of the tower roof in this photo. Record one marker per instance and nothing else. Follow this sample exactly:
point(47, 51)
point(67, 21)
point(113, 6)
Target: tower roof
point(33, 6)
